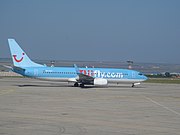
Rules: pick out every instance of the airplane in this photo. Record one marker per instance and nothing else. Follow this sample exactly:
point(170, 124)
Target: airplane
point(24, 66)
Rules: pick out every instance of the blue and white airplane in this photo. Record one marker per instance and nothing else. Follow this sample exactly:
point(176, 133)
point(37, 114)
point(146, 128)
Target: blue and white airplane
point(23, 65)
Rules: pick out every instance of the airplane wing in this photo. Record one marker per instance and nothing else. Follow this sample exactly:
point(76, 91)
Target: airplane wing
point(82, 78)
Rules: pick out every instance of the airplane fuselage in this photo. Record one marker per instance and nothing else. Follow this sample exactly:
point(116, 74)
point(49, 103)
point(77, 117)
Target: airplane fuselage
point(69, 74)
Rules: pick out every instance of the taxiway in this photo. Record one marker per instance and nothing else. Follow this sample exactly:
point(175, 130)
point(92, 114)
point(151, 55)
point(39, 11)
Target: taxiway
point(29, 107)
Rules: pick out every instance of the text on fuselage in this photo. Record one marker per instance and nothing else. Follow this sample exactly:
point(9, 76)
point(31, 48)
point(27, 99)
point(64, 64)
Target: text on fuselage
point(100, 74)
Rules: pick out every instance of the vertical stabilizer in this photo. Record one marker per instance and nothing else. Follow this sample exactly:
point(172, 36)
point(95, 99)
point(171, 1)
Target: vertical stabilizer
point(20, 58)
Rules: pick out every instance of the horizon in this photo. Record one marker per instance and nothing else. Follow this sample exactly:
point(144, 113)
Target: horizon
point(61, 60)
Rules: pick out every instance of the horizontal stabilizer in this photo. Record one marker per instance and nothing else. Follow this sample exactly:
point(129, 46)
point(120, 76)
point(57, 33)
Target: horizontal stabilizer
point(9, 67)
point(18, 69)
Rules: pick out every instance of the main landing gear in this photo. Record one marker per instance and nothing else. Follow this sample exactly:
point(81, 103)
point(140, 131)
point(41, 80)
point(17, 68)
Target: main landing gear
point(82, 85)
point(77, 85)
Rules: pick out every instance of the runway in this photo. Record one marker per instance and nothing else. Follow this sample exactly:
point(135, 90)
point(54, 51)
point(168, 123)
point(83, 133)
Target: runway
point(33, 107)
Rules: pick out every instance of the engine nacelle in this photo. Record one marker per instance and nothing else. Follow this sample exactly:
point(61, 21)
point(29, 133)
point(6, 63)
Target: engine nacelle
point(72, 80)
point(100, 81)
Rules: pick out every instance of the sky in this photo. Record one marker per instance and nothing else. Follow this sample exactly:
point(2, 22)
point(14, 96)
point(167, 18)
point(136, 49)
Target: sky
point(93, 30)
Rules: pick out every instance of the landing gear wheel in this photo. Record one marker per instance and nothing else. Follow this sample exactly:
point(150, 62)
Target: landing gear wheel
point(133, 85)
point(82, 85)
point(76, 84)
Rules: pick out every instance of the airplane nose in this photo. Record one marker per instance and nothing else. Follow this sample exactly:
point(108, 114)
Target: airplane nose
point(145, 78)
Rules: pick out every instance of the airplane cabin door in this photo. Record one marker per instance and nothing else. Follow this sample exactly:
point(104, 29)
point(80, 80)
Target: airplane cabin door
point(35, 72)
point(133, 74)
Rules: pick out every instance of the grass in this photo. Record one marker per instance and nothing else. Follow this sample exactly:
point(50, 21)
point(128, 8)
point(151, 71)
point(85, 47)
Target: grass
point(163, 80)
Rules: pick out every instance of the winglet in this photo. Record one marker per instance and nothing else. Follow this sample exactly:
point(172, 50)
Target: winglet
point(77, 69)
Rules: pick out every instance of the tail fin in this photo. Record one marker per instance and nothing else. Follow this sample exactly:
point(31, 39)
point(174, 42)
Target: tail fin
point(20, 58)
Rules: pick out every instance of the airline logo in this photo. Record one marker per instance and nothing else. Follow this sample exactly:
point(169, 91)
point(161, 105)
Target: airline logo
point(18, 60)
point(99, 74)
point(87, 72)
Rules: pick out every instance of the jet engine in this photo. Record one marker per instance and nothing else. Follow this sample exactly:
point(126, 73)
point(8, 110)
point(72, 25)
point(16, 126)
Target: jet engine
point(100, 81)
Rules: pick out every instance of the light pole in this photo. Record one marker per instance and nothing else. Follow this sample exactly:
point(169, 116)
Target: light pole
point(130, 64)
point(52, 63)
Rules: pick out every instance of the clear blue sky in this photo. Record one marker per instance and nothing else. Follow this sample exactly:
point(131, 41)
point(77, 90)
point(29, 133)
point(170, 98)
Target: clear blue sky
point(97, 30)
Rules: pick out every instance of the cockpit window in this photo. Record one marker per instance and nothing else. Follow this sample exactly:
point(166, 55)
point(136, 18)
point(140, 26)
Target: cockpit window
point(140, 74)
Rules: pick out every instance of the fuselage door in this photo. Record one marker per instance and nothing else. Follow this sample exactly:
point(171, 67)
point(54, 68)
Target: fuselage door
point(133, 74)
point(35, 72)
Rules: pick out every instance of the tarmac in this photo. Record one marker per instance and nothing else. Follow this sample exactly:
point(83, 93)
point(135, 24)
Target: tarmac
point(33, 107)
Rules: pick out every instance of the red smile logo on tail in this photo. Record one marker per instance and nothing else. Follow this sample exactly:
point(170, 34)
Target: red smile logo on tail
point(14, 56)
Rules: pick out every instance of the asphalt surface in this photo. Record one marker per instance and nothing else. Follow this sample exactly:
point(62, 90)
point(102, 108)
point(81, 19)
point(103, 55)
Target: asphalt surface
point(33, 107)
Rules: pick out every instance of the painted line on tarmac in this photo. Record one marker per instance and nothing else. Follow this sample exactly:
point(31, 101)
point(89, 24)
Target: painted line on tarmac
point(163, 106)
point(4, 92)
